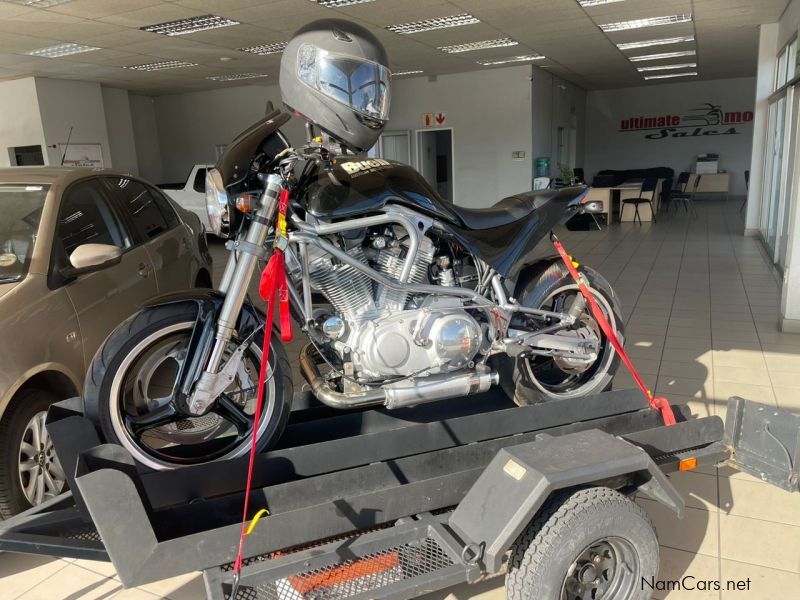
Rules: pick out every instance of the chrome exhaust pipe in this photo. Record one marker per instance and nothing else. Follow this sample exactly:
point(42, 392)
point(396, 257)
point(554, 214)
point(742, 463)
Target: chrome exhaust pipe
point(398, 395)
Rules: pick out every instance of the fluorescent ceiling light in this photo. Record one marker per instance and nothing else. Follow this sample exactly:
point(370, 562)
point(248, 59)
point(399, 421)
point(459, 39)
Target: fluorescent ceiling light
point(511, 59)
point(663, 67)
point(587, 3)
point(433, 24)
point(236, 76)
point(484, 45)
point(412, 72)
point(339, 3)
point(190, 25)
point(647, 22)
point(668, 75)
point(265, 49)
point(662, 55)
point(61, 50)
point(658, 42)
point(160, 66)
point(38, 3)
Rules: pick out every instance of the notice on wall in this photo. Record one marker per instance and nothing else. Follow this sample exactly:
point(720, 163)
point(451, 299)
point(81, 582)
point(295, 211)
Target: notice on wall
point(434, 119)
point(82, 155)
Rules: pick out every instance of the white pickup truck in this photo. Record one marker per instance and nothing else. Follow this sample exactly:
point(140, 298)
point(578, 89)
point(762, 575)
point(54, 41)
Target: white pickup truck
point(191, 194)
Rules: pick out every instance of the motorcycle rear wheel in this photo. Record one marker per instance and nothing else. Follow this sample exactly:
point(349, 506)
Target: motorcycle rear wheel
point(531, 380)
point(129, 386)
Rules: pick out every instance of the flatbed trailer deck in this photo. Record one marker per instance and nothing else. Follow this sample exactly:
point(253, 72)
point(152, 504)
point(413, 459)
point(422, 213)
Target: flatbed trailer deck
point(376, 503)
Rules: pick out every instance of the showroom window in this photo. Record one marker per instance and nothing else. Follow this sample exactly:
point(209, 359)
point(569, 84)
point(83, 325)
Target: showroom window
point(781, 148)
point(142, 207)
point(87, 217)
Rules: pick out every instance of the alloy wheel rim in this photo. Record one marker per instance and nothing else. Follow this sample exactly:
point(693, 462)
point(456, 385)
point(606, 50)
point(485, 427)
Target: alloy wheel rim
point(155, 458)
point(40, 472)
point(606, 352)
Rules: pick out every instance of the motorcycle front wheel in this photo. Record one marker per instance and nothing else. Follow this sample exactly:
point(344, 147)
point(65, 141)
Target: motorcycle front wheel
point(533, 379)
point(129, 391)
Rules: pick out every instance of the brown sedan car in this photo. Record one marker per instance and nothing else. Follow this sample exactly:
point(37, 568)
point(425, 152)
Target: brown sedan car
point(80, 251)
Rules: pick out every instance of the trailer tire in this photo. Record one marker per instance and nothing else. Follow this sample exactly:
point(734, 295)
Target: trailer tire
point(577, 541)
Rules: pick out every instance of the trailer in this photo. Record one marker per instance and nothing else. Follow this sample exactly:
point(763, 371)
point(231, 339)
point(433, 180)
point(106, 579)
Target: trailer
point(395, 504)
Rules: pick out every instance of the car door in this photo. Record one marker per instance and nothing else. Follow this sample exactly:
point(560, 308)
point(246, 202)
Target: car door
point(104, 298)
point(167, 240)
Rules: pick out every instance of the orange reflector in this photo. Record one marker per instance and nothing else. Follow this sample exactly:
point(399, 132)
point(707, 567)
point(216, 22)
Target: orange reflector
point(245, 203)
point(342, 574)
point(687, 464)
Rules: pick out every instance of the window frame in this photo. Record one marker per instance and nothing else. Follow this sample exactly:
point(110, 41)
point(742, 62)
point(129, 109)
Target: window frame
point(122, 206)
point(58, 253)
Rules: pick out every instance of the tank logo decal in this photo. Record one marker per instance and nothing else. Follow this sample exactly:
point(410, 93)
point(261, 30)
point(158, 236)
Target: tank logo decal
point(363, 167)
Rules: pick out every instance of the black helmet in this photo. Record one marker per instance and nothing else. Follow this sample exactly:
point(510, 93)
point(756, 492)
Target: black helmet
point(335, 74)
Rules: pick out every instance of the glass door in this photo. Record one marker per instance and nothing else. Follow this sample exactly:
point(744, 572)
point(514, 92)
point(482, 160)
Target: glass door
point(773, 174)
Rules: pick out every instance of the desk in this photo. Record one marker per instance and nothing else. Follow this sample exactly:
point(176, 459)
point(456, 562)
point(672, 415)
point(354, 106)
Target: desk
point(710, 183)
point(608, 195)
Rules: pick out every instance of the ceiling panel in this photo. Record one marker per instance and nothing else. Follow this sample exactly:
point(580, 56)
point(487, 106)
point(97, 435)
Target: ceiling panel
point(576, 49)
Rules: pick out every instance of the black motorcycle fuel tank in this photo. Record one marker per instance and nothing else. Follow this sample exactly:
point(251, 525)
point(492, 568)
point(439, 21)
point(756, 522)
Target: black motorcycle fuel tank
point(354, 188)
point(357, 187)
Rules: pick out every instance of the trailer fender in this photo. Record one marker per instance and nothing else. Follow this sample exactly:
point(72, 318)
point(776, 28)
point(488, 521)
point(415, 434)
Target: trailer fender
point(511, 490)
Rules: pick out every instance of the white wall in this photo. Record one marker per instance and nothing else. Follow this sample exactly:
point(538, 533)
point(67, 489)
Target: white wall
point(145, 136)
point(191, 125)
point(78, 104)
point(119, 125)
point(20, 122)
point(556, 103)
point(490, 114)
point(609, 148)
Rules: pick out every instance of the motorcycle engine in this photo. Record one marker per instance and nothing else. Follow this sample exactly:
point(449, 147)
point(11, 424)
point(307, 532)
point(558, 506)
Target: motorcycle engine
point(383, 331)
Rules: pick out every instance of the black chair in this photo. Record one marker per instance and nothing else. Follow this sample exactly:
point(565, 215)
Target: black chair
point(578, 173)
point(687, 198)
point(666, 195)
point(649, 185)
point(747, 189)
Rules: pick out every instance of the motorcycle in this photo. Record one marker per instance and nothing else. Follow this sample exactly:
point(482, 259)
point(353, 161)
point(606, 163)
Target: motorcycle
point(405, 298)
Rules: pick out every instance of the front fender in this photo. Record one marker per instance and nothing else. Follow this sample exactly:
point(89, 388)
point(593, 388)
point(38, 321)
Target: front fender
point(209, 303)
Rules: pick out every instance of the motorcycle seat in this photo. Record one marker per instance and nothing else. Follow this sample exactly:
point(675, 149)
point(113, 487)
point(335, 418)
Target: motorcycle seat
point(510, 209)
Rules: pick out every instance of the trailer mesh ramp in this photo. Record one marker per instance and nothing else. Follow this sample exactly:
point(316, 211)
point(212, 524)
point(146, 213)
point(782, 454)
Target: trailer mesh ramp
point(340, 569)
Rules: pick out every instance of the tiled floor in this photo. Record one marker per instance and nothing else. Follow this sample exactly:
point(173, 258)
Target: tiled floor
point(701, 304)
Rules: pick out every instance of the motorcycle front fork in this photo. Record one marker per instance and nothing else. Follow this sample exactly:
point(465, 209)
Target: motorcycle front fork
point(244, 257)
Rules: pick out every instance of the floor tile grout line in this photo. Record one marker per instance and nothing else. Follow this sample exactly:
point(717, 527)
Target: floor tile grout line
point(41, 581)
point(758, 335)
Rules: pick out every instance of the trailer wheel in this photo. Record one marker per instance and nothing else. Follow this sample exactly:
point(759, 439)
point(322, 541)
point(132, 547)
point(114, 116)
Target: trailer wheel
point(591, 544)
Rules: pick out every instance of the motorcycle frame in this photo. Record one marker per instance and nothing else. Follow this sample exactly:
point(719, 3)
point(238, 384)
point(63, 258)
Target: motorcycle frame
point(246, 253)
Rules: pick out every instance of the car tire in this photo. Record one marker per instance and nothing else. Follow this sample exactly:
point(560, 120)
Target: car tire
point(13, 427)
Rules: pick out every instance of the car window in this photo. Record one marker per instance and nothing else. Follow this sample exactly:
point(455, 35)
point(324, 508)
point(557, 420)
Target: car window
point(200, 181)
point(86, 217)
point(164, 205)
point(141, 206)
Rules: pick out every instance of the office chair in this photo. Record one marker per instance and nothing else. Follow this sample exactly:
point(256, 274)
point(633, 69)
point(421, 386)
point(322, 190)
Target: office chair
point(666, 195)
point(687, 199)
point(747, 189)
point(648, 185)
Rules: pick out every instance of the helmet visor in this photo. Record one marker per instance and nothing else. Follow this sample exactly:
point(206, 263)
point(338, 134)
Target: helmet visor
point(362, 85)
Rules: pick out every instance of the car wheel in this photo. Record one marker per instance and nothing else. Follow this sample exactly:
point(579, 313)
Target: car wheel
point(30, 472)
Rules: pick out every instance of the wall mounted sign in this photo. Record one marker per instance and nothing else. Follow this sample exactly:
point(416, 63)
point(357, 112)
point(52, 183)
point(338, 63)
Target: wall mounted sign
point(433, 119)
point(703, 120)
point(82, 155)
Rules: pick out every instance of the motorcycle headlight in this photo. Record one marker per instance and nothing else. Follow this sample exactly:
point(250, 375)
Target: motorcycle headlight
point(219, 216)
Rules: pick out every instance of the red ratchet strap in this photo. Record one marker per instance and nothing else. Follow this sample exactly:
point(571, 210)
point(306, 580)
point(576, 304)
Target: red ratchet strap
point(659, 404)
point(273, 282)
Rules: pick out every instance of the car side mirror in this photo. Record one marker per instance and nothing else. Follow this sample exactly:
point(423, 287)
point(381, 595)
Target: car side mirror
point(88, 258)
